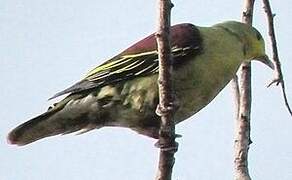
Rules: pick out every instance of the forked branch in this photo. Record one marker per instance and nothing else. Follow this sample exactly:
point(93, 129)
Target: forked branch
point(242, 125)
point(278, 71)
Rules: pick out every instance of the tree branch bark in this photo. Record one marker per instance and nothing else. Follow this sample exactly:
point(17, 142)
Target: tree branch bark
point(235, 87)
point(279, 75)
point(242, 127)
point(165, 109)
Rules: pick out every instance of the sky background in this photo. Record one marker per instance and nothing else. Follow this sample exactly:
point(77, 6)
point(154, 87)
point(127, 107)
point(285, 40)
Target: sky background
point(47, 45)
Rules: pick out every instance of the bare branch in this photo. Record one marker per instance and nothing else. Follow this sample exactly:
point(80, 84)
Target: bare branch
point(242, 127)
point(235, 87)
point(279, 76)
point(165, 109)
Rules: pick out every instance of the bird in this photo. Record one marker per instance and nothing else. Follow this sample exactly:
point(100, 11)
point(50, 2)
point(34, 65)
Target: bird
point(123, 91)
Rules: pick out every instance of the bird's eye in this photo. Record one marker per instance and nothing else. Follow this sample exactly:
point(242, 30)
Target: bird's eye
point(259, 36)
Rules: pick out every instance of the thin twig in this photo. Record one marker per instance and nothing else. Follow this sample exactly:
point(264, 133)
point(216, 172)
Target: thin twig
point(235, 87)
point(279, 79)
point(242, 129)
point(165, 109)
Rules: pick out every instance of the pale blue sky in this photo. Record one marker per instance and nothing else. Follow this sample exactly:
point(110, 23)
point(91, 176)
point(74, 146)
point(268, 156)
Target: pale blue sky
point(45, 46)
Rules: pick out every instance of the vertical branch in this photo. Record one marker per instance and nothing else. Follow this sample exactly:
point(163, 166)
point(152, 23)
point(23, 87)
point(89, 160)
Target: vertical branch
point(235, 87)
point(242, 129)
point(167, 143)
point(279, 75)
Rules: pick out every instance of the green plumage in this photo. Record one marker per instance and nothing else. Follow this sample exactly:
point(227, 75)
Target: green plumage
point(123, 91)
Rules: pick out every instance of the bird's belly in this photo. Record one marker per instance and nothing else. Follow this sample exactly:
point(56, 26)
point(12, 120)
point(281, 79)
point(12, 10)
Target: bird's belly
point(198, 90)
point(194, 99)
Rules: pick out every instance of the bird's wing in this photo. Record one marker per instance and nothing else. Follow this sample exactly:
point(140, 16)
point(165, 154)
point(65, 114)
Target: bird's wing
point(141, 59)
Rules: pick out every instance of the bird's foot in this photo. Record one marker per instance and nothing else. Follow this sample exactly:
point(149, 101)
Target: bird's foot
point(172, 107)
point(168, 146)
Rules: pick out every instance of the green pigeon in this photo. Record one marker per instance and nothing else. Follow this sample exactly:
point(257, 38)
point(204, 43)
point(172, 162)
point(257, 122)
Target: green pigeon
point(123, 91)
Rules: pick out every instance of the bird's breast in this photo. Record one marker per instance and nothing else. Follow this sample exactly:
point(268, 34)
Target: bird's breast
point(199, 83)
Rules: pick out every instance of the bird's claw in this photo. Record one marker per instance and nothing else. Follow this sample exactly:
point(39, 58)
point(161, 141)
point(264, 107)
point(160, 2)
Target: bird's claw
point(170, 108)
point(166, 146)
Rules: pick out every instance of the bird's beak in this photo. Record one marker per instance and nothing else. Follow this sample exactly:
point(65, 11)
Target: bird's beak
point(265, 59)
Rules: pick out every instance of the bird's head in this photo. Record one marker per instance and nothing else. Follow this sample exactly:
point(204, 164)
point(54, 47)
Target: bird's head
point(252, 40)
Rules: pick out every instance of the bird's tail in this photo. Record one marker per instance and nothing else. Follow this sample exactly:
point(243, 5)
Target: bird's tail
point(58, 120)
